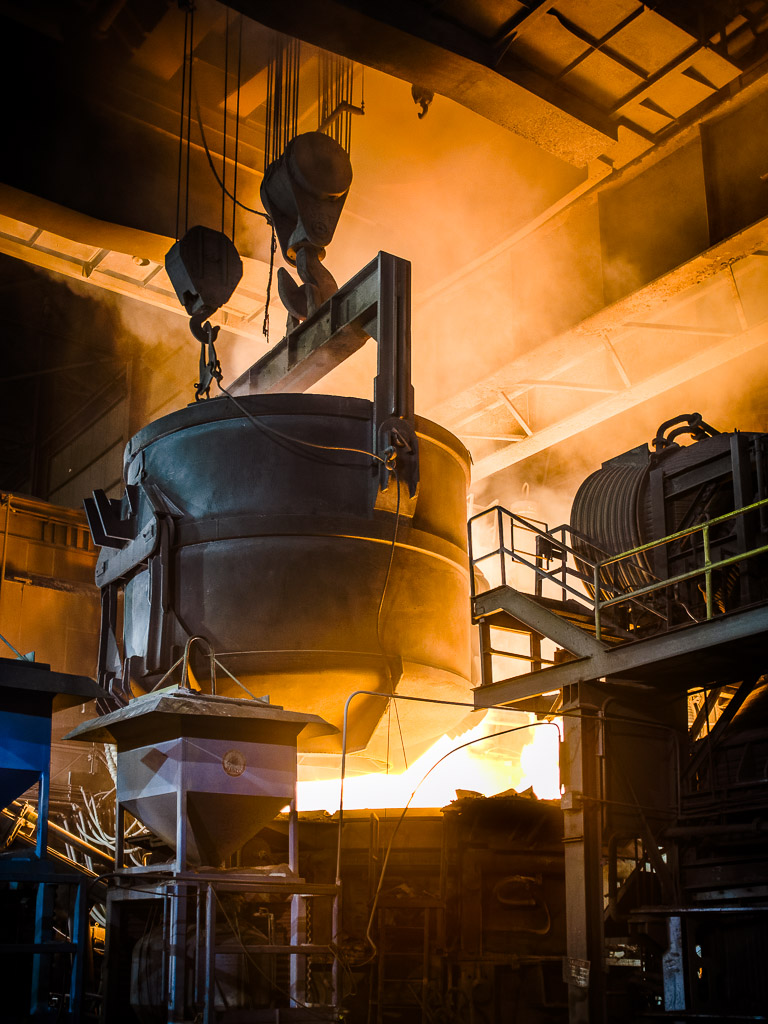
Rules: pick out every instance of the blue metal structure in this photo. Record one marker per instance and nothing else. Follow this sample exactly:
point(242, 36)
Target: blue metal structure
point(29, 694)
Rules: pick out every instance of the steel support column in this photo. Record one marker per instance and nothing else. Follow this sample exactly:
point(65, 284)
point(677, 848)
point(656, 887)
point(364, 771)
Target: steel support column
point(582, 835)
point(298, 915)
point(177, 961)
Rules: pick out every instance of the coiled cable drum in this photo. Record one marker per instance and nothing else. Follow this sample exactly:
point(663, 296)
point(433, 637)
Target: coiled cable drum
point(606, 521)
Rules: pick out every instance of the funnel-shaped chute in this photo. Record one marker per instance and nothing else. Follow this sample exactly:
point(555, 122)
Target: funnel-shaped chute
point(25, 740)
point(206, 771)
point(29, 694)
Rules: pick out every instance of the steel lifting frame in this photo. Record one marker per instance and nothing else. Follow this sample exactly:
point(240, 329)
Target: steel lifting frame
point(375, 303)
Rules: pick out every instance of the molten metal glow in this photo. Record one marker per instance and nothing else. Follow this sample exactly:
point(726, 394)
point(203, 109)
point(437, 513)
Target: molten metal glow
point(540, 762)
point(517, 761)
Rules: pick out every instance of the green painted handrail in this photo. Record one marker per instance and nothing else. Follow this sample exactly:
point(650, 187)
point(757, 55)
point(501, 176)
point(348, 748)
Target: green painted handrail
point(705, 570)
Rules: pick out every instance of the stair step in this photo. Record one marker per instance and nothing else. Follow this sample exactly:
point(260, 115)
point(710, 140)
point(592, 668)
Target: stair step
point(583, 619)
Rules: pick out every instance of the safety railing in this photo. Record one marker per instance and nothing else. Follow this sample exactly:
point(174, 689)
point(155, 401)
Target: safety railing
point(706, 570)
point(552, 559)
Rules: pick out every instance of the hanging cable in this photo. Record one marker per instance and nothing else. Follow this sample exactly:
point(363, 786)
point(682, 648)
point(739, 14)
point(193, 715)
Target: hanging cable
point(387, 758)
point(335, 106)
point(189, 111)
point(400, 731)
point(281, 121)
point(181, 121)
point(294, 126)
point(224, 129)
point(267, 116)
point(348, 117)
point(300, 442)
point(209, 157)
point(237, 122)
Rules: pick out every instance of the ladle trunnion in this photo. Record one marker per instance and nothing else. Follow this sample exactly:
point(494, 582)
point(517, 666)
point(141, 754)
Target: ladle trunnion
point(266, 525)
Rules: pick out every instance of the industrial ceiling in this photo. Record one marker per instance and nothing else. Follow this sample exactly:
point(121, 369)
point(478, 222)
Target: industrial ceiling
point(584, 202)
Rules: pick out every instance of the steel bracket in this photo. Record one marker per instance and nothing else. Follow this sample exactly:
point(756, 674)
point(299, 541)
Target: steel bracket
point(375, 303)
point(124, 544)
point(125, 547)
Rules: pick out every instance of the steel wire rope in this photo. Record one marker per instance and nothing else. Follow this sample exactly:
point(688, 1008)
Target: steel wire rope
point(237, 120)
point(224, 127)
point(236, 202)
point(268, 106)
point(274, 108)
point(294, 125)
point(268, 297)
point(181, 123)
point(189, 111)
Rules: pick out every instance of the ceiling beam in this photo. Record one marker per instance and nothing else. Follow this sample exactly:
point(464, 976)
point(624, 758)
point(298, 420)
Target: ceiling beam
point(422, 47)
point(590, 338)
point(702, 362)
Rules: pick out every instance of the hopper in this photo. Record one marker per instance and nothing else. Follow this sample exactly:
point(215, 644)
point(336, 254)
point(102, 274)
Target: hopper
point(204, 773)
point(29, 694)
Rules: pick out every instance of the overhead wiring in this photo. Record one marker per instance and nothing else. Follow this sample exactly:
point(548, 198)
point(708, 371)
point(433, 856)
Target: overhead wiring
point(224, 128)
point(181, 123)
point(222, 186)
point(191, 16)
point(237, 119)
point(301, 442)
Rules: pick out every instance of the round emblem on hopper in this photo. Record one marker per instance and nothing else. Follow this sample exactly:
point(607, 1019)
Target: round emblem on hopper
point(233, 763)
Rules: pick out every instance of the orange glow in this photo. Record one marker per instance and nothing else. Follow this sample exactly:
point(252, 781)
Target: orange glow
point(517, 760)
point(540, 762)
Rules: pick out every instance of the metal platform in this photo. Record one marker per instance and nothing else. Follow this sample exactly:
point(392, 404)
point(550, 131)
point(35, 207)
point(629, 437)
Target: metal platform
point(725, 649)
